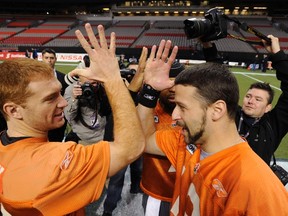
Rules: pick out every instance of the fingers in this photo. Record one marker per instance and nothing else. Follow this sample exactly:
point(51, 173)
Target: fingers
point(86, 46)
point(163, 52)
point(160, 49)
point(152, 54)
point(92, 38)
point(102, 37)
point(143, 58)
point(77, 72)
point(112, 43)
point(173, 55)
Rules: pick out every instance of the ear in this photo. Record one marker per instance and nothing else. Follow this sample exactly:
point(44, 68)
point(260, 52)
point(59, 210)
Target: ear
point(219, 109)
point(12, 110)
point(268, 108)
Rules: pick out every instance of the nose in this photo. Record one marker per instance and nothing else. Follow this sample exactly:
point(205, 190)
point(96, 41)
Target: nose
point(176, 114)
point(172, 89)
point(62, 102)
point(251, 100)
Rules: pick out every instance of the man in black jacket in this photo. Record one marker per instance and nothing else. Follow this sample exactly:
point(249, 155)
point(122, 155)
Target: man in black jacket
point(49, 57)
point(262, 126)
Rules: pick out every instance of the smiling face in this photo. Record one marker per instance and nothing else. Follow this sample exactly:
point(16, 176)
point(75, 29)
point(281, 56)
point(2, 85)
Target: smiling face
point(43, 110)
point(190, 113)
point(255, 103)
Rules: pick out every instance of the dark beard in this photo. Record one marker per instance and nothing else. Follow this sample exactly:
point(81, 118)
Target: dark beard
point(193, 139)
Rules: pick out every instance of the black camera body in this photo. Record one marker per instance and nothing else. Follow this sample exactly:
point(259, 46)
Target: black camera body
point(88, 91)
point(127, 74)
point(212, 27)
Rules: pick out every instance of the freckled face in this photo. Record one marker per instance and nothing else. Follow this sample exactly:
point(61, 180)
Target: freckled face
point(43, 110)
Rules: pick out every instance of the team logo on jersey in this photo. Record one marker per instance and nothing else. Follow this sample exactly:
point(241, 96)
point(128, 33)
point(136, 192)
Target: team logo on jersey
point(191, 148)
point(217, 185)
point(67, 160)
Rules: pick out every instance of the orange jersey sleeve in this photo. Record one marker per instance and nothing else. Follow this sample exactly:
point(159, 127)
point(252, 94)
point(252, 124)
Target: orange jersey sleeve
point(158, 175)
point(49, 178)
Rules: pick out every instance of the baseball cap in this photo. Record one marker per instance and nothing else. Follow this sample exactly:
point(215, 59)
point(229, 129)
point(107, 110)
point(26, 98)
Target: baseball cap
point(175, 69)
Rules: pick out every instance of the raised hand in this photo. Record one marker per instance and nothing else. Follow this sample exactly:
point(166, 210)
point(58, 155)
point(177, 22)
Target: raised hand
point(275, 45)
point(138, 78)
point(158, 66)
point(103, 62)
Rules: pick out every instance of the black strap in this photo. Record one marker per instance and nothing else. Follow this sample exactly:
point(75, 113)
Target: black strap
point(251, 30)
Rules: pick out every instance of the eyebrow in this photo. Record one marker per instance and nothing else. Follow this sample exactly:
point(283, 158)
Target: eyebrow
point(47, 97)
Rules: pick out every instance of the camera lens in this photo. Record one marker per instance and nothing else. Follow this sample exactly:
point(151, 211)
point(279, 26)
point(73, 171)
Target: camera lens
point(197, 27)
point(87, 90)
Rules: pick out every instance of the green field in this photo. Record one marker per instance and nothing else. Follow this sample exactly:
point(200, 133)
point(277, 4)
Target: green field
point(245, 78)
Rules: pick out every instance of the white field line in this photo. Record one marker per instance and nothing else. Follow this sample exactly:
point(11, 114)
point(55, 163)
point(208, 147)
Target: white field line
point(253, 78)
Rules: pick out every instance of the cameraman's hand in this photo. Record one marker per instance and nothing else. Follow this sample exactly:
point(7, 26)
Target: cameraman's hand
point(275, 45)
point(77, 90)
point(103, 63)
point(157, 67)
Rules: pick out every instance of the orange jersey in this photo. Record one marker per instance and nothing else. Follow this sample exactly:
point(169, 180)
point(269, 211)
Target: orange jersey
point(234, 181)
point(158, 176)
point(49, 178)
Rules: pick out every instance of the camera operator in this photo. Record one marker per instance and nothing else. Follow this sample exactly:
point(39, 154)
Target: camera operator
point(87, 110)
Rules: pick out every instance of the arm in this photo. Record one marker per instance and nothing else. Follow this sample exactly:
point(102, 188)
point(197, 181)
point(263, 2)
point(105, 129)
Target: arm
point(156, 75)
point(129, 139)
point(279, 115)
point(137, 80)
point(210, 52)
point(70, 95)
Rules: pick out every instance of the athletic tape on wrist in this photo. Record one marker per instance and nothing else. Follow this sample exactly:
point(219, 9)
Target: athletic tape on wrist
point(148, 96)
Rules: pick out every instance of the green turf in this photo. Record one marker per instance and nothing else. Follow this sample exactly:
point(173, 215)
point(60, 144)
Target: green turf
point(244, 83)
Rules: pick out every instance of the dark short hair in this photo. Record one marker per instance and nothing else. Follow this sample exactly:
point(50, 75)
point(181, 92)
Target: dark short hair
point(214, 82)
point(266, 87)
point(49, 50)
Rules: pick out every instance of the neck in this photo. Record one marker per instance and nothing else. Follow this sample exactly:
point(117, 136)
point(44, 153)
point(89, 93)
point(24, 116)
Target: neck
point(20, 129)
point(222, 138)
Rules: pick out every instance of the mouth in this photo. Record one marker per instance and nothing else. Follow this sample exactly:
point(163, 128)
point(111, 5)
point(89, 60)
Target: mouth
point(59, 115)
point(248, 107)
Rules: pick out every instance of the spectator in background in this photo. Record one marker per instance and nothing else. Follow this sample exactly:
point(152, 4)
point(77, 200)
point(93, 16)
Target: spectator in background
point(51, 178)
point(49, 57)
point(211, 160)
point(262, 126)
point(255, 64)
point(27, 53)
point(264, 63)
point(87, 109)
point(34, 53)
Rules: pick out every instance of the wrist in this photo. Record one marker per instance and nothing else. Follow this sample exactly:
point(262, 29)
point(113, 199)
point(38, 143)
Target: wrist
point(148, 96)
